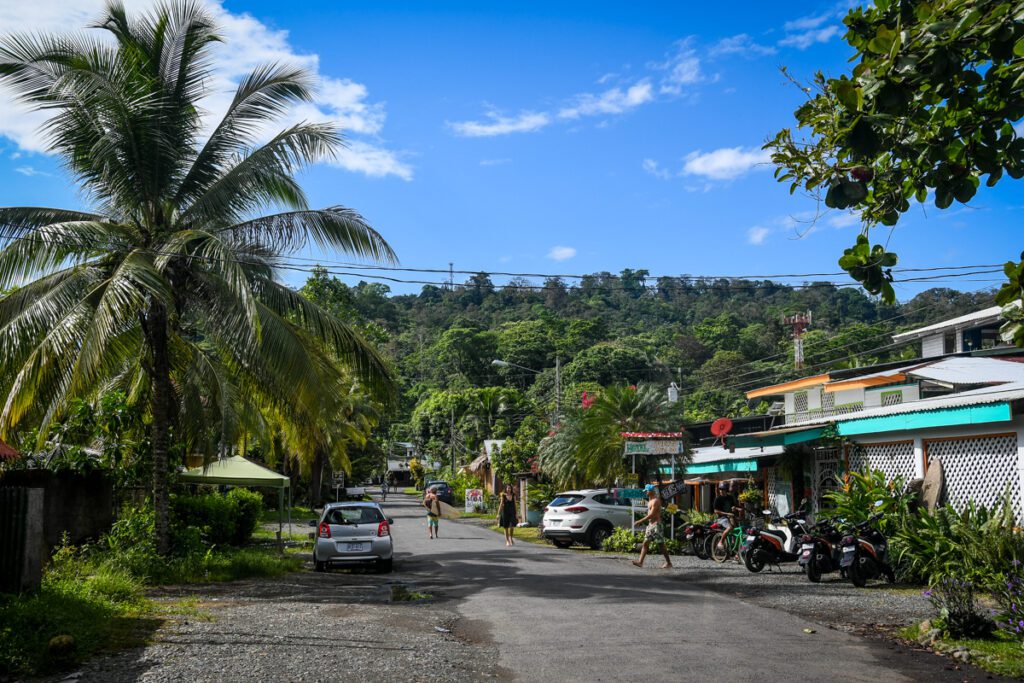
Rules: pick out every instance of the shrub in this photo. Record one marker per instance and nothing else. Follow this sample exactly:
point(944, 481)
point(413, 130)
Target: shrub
point(958, 611)
point(623, 541)
point(249, 505)
point(1009, 595)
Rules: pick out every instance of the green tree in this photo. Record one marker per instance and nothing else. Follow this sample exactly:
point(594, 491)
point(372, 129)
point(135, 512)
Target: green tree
point(517, 452)
point(167, 286)
point(927, 109)
point(607, 363)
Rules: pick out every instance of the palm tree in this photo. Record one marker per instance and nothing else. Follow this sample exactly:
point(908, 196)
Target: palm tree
point(166, 287)
point(589, 448)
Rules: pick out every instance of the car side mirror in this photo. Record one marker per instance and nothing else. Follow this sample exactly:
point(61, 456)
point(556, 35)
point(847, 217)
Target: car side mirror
point(312, 522)
point(391, 520)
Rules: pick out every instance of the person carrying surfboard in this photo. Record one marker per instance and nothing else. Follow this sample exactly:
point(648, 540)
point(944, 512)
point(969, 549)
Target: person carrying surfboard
point(433, 505)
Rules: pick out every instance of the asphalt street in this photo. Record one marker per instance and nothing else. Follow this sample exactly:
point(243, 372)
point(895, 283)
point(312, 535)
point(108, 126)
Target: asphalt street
point(557, 615)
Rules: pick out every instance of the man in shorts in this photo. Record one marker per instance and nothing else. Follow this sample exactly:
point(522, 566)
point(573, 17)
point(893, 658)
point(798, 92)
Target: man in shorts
point(653, 535)
point(433, 505)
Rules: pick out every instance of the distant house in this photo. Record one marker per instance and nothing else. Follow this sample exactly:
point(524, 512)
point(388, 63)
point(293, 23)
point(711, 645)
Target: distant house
point(965, 410)
point(972, 332)
point(481, 466)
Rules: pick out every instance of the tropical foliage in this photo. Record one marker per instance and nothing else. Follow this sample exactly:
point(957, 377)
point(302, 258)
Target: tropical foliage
point(165, 287)
point(927, 111)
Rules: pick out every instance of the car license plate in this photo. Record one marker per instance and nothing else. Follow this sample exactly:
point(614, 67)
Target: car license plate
point(807, 546)
point(554, 522)
point(355, 547)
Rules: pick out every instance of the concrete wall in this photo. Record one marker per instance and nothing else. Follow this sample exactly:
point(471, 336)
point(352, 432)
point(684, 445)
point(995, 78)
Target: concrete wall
point(80, 505)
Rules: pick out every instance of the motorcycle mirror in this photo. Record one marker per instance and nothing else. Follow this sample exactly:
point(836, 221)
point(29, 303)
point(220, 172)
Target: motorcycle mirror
point(879, 503)
point(766, 512)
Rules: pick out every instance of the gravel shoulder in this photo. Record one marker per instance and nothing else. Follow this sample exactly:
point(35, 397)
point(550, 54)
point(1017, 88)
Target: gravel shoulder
point(301, 627)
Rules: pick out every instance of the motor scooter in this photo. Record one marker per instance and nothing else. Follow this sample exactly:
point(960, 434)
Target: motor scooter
point(773, 546)
point(866, 553)
point(821, 550)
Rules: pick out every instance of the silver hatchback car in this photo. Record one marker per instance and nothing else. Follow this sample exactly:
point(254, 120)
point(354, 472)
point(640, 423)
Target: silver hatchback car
point(353, 533)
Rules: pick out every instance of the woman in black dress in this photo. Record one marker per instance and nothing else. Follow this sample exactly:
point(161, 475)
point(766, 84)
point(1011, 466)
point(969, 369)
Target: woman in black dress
point(507, 517)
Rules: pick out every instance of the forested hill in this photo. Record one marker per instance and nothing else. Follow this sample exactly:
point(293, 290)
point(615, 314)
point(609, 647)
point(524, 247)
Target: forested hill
point(714, 338)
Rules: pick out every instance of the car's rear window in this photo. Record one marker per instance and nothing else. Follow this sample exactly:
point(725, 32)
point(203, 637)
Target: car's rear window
point(354, 515)
point(562, 501)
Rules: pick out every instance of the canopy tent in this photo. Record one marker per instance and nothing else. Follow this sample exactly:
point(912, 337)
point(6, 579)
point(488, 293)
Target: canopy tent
point(237, 471)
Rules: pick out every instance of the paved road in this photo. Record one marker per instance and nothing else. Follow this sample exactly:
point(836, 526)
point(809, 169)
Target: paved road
point(555, 614)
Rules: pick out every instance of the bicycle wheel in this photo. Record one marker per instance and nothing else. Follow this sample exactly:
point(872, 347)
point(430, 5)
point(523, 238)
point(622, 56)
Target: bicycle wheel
point(719, 551)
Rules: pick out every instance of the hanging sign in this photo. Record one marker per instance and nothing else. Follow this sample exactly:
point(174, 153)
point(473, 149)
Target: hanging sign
point(654, 447)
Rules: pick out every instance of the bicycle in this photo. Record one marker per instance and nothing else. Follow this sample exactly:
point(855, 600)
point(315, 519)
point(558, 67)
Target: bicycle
point(726, 546)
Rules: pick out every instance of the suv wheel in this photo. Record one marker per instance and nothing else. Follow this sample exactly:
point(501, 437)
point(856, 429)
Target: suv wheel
point(598, 533)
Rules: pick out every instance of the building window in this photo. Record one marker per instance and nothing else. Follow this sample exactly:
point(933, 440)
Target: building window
point(892, 398)
point(828, 402)
point(800, 402)
point(949, 342)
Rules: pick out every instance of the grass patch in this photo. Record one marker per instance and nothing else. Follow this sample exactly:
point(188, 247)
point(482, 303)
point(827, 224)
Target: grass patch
point(410, 491)
point(401, 593)
point(300, 515)
point(264, 534)
point(78, 611)
point(477, 515)
point(1000, 654)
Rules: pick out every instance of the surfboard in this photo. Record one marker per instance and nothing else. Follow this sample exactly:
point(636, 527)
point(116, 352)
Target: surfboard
point(448, 512)
point(934, 482)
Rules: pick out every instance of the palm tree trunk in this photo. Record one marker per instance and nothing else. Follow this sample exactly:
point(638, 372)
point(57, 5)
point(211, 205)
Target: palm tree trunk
point(316, 478)
point(162, 395)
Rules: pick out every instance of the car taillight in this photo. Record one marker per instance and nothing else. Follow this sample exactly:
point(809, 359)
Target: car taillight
point(325, 530)
point(575, 510)
point(383, 529)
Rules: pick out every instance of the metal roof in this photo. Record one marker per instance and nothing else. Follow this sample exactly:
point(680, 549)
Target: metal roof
point(718, 453)
point(971, 371)
point(987, 315)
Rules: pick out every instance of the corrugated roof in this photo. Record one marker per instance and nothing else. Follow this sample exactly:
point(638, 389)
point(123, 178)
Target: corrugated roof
point(702, 456)
point(970, 320)
point(777, 389)
point(970, 371)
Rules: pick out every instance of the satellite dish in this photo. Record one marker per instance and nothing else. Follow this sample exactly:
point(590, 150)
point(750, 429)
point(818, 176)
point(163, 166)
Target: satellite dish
point(721, 427)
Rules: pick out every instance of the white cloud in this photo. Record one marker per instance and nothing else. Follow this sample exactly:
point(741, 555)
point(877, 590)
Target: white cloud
point(757, 234)
point(613, 101)
point(740, 44)
point(845, 219)
point(30, 171)
point(726, 163)
point(655, 169)
point(805, 39)
point(525, 122)
point(807, 23)
point(561, 253)
point(247, 44)
point(682, 67)
point(495, 162)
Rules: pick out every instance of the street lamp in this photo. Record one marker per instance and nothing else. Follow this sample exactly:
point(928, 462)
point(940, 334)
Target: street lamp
point(558, 379)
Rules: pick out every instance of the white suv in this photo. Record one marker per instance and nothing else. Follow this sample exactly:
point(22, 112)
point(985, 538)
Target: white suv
point(587, 517)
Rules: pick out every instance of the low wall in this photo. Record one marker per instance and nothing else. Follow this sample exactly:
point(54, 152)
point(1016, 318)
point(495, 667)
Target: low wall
point(81, 505)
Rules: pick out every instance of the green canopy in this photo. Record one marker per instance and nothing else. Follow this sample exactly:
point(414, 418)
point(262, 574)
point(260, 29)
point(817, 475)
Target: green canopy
point(234, 471)
point(237, 471)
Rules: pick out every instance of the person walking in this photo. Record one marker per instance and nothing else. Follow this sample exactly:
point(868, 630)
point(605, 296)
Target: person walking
point(653, 535)
point(507, 517)
point(433, 505)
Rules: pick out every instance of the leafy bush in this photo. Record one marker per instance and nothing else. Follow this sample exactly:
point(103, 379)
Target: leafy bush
point(623, 541)
point(1009, 595)
point(223, 519)
point(958, 612)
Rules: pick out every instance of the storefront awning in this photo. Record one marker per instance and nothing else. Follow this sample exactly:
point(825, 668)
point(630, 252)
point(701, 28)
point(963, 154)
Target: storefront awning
point(795, 385)
point(946, 417)
point(720, 460)
point(778, 437)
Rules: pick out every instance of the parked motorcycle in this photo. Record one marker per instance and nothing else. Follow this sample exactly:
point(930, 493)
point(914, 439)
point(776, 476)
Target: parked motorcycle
point(821, 550)
point(697, 536)
point(866, 553)
point(774, 545)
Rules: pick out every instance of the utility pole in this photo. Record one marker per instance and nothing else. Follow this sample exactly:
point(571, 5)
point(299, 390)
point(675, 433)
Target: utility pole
point(451, 276)
point(451, 442)
point(799, 323)
point(558, 388)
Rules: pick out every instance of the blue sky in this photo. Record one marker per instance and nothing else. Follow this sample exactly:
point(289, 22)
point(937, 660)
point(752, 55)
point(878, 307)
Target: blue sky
point(553, 137)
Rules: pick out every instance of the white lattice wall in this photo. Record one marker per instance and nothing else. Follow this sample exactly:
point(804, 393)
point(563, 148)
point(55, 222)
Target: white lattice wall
point(777, 490)
point(895, 459)
point(978, 469)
